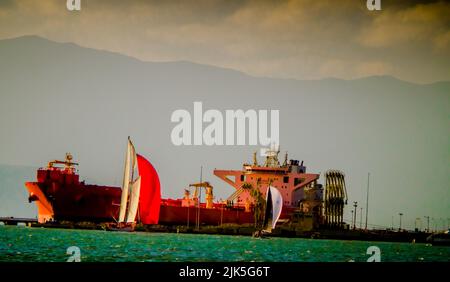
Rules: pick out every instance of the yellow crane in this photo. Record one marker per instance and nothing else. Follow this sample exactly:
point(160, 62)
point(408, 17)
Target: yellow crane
point(209, 192)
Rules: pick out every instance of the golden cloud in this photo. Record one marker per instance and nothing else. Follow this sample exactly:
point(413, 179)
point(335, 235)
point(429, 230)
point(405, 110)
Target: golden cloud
point(424, 23)
point(289, 39)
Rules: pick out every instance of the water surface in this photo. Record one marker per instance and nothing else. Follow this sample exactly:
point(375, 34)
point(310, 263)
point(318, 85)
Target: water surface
point(42, 244)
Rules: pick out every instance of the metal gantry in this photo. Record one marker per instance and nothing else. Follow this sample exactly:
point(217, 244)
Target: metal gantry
point(335, 198)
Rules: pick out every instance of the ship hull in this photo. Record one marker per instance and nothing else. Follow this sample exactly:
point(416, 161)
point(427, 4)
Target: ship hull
point(75, 202)
point(177, 215)
point(92, 203)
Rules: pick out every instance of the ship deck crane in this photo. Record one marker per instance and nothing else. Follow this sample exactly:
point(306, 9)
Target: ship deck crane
point(68, 164)
point(209, 192)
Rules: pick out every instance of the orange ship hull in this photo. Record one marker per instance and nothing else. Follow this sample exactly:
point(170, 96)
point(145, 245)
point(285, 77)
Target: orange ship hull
point(45, 208)
point(74, 202)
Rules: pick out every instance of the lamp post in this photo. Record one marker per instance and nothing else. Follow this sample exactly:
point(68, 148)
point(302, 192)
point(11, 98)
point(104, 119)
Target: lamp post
point(352, 216)
point(428, 223)
point(400, 226)
point(360, 219)
point(238, 200)
point(188, 208)
point(367, 199)
point(221, 212)
point(199, 198)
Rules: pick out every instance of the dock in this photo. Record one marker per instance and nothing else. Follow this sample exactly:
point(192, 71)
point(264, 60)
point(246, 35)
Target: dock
point(17, 220)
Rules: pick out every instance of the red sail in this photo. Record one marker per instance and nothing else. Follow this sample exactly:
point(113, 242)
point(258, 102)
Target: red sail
point(150, 197)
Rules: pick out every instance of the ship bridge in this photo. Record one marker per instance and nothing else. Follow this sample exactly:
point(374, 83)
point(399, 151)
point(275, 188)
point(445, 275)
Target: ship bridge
point(288, 178)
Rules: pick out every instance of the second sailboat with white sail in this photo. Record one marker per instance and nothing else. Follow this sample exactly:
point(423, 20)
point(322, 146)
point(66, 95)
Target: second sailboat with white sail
point(274, 205)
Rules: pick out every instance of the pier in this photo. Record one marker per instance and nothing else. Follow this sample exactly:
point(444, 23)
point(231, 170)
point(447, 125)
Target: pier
point(17, 220)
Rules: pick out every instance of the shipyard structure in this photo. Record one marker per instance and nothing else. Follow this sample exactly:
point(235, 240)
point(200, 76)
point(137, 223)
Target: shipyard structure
point(307, 204)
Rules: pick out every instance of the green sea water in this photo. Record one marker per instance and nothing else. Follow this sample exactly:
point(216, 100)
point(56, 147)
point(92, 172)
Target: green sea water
point(24, 244)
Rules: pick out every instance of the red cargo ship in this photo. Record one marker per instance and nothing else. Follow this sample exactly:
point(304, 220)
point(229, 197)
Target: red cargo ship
point(61, 196)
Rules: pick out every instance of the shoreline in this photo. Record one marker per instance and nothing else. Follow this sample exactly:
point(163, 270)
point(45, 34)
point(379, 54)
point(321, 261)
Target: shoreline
point(248, 230)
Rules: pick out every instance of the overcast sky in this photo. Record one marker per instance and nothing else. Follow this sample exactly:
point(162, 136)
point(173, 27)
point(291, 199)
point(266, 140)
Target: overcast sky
point(288, 39)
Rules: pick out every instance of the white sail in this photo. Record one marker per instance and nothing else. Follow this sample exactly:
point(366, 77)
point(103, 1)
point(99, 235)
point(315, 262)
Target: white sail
point(274, 205)
point(126, 182)
point(277, 205)
point(134, 200)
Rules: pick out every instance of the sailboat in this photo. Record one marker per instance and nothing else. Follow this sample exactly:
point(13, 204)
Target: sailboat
point(131, 187)
point(141, 196)
point(274, 205)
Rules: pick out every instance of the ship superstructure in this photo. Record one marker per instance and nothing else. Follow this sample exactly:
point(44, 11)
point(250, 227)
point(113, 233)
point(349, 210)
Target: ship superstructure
point(298, 188)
